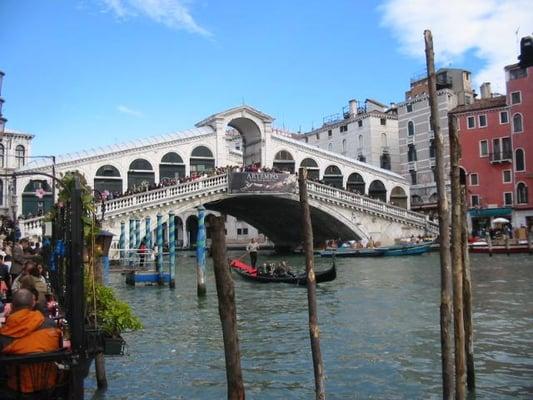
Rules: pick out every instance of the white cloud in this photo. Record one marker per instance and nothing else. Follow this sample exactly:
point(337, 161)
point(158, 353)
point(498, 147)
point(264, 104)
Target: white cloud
point(174, 14)
point(126, 110)
point(486, 27)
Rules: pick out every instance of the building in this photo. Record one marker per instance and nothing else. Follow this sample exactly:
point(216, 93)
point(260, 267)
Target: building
point(15, 149)
point(416, 137)
point(519, 78)
point(368, 133)
point(487, 157)
point(496, 138)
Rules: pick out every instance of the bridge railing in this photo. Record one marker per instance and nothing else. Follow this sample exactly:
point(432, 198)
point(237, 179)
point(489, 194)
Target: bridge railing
point(367, 202)
point(164, 193)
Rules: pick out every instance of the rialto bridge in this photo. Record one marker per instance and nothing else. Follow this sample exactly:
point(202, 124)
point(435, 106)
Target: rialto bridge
point(352, 200)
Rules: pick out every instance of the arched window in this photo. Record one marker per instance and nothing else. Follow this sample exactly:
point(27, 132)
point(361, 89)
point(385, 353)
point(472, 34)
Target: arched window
point(284, 161)
point(377, 190)
point(140, 174)
point(411, 153)
point(343, 146)
point(333, 176)
point(361, 141)
point(201, 160)
point(313, 172)
point(517, 123)
point(2, 150)
point(521, 193)
point(36, 198)
point(410, 128)
point(519, 160)
point(356, 183)
point(385, 162)
point(1, 192)
point(330, 146)
point(384, 140)
point(171, 166)
point(108, 178)
point(20, 155)
point(398, 197)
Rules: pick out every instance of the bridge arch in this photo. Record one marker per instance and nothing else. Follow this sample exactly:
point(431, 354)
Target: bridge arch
point(140, 173)
point(251, 139)
point(398, 197)
point(333, 176)
point(284, 161)
point(108, 177)
point(171, 166)
point(201, 160)
point(36, 204)
point(356, 183)
point(377, 190)
point(313, 171)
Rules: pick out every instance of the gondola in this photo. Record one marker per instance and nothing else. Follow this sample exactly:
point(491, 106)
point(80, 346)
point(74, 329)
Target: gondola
point(250, 273)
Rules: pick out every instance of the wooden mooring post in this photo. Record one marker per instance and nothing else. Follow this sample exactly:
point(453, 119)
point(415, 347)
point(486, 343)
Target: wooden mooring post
point(467, 301)
point(444, 229)
point(457, 260)
point(314, 331)
point(227, 310)
point(200, 254)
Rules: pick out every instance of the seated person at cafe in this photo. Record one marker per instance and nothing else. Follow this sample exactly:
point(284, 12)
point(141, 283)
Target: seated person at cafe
point(27, 331)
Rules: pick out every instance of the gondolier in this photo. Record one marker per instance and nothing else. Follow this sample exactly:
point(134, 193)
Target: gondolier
point(252, 248)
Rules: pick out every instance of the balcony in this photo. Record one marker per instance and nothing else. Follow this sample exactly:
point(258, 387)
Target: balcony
point(501, 157)
point(411, 165)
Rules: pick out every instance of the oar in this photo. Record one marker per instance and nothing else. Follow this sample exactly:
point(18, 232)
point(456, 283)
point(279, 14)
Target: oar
point(241, 257)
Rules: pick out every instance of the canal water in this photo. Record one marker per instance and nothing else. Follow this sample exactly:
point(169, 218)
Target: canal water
point(379, 326)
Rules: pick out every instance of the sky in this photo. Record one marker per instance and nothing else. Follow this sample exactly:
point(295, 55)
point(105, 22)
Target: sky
point(83, 74)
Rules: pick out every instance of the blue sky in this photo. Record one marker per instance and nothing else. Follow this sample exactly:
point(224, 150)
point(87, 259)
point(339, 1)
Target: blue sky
point(87, 73)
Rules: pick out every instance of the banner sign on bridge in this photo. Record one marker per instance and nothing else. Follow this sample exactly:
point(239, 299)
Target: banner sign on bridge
point(271, 182)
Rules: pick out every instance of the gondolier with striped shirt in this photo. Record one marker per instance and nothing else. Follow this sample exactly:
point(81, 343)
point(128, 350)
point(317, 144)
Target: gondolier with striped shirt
point(252, 248)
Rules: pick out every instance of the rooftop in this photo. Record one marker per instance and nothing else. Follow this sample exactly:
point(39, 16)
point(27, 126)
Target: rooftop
point(481, 104)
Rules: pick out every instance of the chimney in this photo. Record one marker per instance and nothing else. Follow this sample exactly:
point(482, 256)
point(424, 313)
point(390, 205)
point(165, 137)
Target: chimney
point(485, 90)
point(353, 107)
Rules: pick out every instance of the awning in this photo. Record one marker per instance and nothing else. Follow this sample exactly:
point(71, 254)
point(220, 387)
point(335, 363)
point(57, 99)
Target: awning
point(490, 212)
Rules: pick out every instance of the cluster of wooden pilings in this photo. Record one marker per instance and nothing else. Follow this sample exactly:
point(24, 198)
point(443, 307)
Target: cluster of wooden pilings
point(457, 355)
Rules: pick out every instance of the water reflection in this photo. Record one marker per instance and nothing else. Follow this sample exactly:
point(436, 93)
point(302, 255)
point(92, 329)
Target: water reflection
point(379, 324)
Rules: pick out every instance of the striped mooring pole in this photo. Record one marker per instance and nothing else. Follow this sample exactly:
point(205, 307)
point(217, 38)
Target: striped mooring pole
point(131, 244)
point(148, 233)
point(159, 241)
point(172, 250)
point(200, 254)
point(137, 233)
point(122, 242)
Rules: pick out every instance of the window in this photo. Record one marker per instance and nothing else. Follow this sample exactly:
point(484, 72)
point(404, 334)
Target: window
point(483, 148)
point(20, 154)
point(384, 141)
point(519, 160)
point(306, 139)
point(361, 158)
point(409, 108)
point(432, 148)
point(507, 176)
point(383, 121)
point(517, 123)
point(330, 133)
point(474, 200)
point(330, 147)
point(516, 98)
point(239, 231)
point(361, 142)
point(410, 128)
point(471, 122)
point(1, 192)
point(343, 146)
point(474, 180)
point(411, 153)
point(517, 73)
point(504, 117)
point(318, 136)
point(245, 231)
point(521, 193)
point(508, 198)
point(413, 176)
point(501, 148)
point(385, 161)
point(344, 128)
point(360, 123)
point(1, 156)
point(482, 121)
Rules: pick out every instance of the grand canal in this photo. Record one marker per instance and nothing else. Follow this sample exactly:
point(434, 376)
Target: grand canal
point(379, 324)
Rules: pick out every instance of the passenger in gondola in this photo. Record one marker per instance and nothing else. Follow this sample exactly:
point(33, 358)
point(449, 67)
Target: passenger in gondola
point(279, 271)
point(262, 270)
